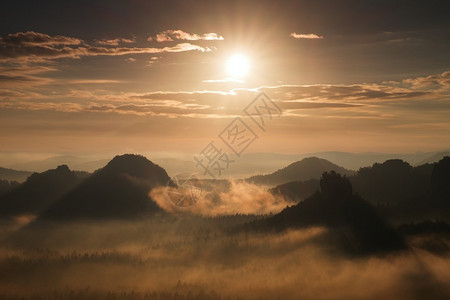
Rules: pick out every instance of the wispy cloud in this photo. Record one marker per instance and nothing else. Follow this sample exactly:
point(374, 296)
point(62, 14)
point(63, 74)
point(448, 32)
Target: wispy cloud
point(435, 81)
point(305, 35)
point(369, 114)
point(37, 46)
point(351, 101)
point(184, 47)
point(115, 42)
point(344, 92)
point(37, 39)
point(152, 60)
point(24, 75)
point(130, 60)
point(92, 81)
point(170, 35)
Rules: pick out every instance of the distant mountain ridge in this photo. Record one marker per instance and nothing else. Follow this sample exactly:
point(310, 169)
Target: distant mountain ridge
point(434, 158)
point(14, 175)
point(307, 168)
point(73, 161)
point(251, 163)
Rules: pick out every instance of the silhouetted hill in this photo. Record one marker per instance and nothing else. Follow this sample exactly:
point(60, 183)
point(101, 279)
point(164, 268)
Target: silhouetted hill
point(39, 191)
point(308, 168)
point(392, 182)
point(296, 191)
point(119, 190)
point(10, 174)
point(360, 227)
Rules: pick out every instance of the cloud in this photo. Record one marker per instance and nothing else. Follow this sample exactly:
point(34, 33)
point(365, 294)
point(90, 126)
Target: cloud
point(194, 104)
point(115, 42)
point(42, 106)
point(43, 47)
point(185, 47)
point(435, 81)
point(24, 76)
point(370, 114)
point(305, 36)
point(343, 101)
point(35, 38)
point(314, 105)
point(342, 92)
point(92, 81)
point(165, 108)
point(153, 60)
point(130, 60)
point(170, 35)
point(20, 78)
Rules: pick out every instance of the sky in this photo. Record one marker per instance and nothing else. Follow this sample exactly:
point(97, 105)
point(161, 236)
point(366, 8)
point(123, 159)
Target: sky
point(155, 76)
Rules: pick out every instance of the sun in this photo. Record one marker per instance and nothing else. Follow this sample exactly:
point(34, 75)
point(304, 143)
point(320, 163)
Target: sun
point(238, 65)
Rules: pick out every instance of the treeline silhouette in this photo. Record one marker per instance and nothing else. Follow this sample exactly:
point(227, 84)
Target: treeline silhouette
point(392, 182)
point(7, 185)
point(401, 192)
point(404, 193)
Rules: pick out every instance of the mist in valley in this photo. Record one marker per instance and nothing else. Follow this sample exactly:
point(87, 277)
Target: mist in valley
point(230, 243)
point(200, 258)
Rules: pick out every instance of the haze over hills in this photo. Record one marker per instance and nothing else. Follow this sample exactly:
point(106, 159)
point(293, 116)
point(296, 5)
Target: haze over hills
point(249, 164)
point(75, 162)
point(120, 189)
point(14, 175)
point(308, 168)
point(434, 158)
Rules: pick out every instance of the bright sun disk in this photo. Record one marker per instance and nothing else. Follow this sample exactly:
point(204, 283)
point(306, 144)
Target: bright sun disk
point(238, 65)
